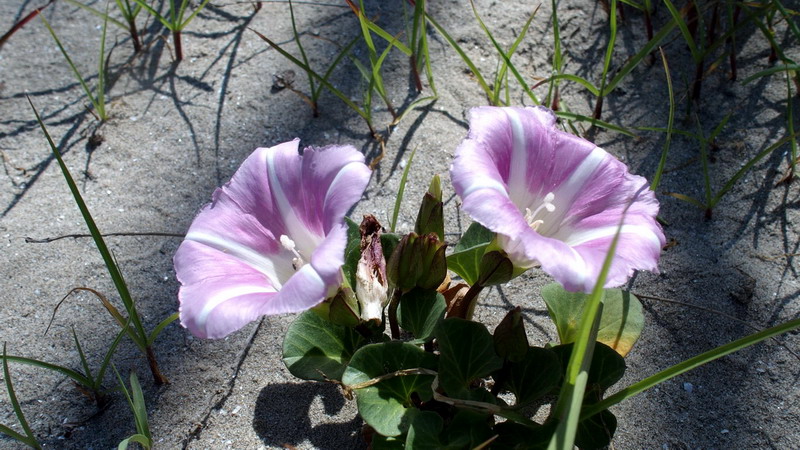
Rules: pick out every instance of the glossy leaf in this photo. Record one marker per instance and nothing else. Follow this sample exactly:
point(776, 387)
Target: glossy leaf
point(596, 431)
point(468, 429)
point(467, 254)
point(424, 430)
point(510, 339)
point(607, 366)
point(384, 405)
point(466, 353)
point(621, 322)
point(420, 311)
point(534, 376)
point(315, 349)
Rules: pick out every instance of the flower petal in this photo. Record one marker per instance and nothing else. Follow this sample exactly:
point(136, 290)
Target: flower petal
point(514, 158)
point(232, 265)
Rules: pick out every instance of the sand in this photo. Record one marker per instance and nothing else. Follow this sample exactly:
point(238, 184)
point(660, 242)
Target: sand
point(176, 131)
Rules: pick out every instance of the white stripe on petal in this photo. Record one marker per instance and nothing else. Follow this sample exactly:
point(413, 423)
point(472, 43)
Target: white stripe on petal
point(295, 228)
point(224, 295)
point(256, 260)
point(593, 234)
point(484, 182)
point(518, 170)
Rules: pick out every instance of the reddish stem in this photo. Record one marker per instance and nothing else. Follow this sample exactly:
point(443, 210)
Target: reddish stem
point(158, 377)
point(176, 38)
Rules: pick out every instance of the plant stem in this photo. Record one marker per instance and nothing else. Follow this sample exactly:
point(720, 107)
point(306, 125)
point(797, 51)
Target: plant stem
point(393, 326)
point(158, 377)
point(465, 306)
point(134, 32)
point(176, 38)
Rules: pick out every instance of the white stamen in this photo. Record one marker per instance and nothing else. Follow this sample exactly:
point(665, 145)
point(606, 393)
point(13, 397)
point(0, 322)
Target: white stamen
point(547, 203)
point(288, 244)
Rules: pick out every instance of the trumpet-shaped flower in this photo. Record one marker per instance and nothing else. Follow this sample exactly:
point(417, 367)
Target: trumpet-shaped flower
point(272, 240)
point(554, 199)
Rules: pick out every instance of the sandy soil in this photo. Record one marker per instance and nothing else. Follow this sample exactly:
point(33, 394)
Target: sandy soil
point(178, 131)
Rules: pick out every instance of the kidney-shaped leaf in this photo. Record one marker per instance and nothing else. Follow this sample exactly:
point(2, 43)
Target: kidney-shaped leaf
point(316, 349)
point(466, 353)
point(466, 257)
point(620, 324)
point(384, 405)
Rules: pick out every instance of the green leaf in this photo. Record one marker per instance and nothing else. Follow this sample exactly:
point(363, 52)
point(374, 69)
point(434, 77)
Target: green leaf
point(510, 339)
point(515, 435)
point(467, 353)
point(621, 322)
point(596, 431)
point(424, 430)
point(352, 252)
point(315, 349)
point(534, 376)
point(466, 257)
point(385, 404)
point(419, 312)
point(607, 367)
point(468, 429)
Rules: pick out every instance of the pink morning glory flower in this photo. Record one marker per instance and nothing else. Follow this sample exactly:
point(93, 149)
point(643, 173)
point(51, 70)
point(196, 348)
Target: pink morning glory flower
point(555, 200)
point(272, 240)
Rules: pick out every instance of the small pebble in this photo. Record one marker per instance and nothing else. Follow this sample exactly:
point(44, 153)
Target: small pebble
point(688, 387)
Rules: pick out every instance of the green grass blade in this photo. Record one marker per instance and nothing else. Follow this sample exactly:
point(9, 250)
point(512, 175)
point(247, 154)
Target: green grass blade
point(670, 121)
point(506, 57)
point(595, 122)
point(688, 199)
point(478, 77)
point(113, 270)
point(16, 436)
point(772, 70)
point(99, 13)
point(568, 407)
point(787, 17)
point(576, 79)
point(336, 61)
point(322, 80)
point(160, 327)
point(101, 72)
point(371, 26)
point(790, 123)
point(71, 65)
point(29, 439)
point(137, 438)
point(411, 107)
point(688, 365)
point(302, 51)
point(139, 407)
point(424, 51)
point(400, 191)
point(612, 40)
point(557, 57)
point(75, 375)
point(684, 27)
point(164, 21)
point(741, 172)
point(101, 373)
point(84, 362)
point(638, 57)
point(191, 16)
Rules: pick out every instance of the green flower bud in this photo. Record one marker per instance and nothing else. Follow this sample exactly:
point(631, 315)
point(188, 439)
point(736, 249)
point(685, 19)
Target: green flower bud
point(430, 218)
point(417, 261)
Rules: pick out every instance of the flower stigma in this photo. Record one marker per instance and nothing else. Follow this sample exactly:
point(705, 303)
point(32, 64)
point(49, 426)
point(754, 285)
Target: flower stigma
point(547, 204)
point(288, 244)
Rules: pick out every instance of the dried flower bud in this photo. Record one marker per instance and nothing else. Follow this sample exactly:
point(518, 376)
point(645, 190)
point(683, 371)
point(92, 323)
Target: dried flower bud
point(371, 285)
